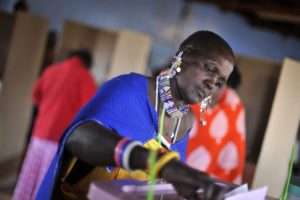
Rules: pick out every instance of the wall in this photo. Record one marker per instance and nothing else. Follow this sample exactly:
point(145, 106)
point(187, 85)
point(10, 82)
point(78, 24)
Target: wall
point(159, 18)
point(7, 21)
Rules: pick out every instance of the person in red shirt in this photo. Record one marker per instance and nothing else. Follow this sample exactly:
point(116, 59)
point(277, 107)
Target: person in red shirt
point(59, 94)
point(219, 147)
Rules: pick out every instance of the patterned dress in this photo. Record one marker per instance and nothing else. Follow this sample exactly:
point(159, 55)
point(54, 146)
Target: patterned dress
point(219, 147)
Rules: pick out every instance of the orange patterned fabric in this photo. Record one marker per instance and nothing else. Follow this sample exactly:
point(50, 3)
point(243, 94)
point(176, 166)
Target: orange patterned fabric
point(219, 147)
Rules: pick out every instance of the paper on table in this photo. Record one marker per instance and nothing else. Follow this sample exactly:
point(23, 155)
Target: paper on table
point(257, 194)
point(240, 189)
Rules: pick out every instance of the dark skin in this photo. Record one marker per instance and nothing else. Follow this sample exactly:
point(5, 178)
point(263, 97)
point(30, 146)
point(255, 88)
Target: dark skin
point(196, 81)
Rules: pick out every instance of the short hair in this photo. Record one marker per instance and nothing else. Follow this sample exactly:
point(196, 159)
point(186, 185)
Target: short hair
point(84, 55)
point(206, 43)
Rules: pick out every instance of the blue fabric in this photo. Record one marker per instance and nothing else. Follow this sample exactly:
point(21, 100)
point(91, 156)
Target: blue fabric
point(121, 105)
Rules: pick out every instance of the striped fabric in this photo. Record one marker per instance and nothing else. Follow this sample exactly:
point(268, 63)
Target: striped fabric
point(38, 158)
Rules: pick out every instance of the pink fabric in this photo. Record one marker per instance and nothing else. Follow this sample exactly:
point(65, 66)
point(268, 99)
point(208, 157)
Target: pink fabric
point(38, 158)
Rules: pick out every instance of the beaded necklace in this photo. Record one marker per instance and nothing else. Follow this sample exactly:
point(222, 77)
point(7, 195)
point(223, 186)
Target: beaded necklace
point(164, 89)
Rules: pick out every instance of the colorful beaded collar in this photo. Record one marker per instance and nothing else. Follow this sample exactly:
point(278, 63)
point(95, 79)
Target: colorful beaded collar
point(164, 88)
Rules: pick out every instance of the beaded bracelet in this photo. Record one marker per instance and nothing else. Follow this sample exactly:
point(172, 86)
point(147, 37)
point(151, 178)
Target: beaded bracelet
point(118, 152)
point(126, 154)
point(122, 152)
point(164, 160)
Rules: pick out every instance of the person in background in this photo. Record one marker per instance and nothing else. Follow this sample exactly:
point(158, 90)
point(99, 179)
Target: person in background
point(59, 94)
point(219, 147)
point(111, 136)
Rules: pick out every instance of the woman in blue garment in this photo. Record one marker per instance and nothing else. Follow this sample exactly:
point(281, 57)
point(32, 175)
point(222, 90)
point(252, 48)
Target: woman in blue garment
point(102, 141)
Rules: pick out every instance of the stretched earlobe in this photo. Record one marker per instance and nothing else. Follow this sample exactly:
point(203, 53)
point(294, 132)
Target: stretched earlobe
point(175, 68)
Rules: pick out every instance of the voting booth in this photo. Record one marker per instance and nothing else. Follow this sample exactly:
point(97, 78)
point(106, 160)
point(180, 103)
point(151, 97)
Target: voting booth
point(114, 52)
point(23, 39)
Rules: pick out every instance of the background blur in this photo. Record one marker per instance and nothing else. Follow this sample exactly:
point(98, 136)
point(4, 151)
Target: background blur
point(261, 33)
point(168, 22)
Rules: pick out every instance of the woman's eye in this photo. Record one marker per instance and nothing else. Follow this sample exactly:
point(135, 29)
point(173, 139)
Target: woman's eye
point(209, 68)
point(219, 84)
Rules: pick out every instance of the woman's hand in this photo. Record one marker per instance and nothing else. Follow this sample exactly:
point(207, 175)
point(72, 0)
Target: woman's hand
point(187, 181)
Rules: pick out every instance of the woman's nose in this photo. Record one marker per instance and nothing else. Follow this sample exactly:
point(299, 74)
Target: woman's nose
point(211, 83)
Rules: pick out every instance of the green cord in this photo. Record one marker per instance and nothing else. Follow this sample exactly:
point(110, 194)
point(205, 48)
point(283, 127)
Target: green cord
point(152, 177)
point(161, 124)
point(286, 187)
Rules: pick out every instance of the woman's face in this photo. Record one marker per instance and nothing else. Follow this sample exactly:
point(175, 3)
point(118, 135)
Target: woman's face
point(202, 77)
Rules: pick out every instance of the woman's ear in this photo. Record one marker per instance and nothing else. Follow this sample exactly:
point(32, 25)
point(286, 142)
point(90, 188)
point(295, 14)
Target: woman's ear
point(176, 65)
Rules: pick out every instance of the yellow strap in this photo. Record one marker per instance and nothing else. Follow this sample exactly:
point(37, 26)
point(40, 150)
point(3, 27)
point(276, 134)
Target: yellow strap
point(153, 144)
point(164, 160)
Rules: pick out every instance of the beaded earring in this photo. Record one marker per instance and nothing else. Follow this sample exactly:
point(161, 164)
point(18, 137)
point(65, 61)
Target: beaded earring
point(203, 108)
point(175, 68)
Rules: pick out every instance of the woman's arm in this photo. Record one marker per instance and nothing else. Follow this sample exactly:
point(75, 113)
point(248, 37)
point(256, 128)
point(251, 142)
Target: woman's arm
point(95, 145)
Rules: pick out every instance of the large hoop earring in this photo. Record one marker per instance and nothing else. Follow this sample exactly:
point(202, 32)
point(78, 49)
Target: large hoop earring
point(203, 107)
point(175, 68)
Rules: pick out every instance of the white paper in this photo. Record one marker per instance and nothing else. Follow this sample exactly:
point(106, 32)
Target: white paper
point(240, 189)
point(257, 194)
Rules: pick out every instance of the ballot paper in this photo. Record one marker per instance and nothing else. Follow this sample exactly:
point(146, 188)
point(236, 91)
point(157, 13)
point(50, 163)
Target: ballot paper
point(237, 190)
point(257, 194)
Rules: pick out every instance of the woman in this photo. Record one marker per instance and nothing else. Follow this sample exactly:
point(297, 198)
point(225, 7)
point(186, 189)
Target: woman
point(130, 106)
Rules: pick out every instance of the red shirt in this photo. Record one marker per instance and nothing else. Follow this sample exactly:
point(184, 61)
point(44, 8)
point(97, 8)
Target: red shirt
point(59, 94)
point(219, 147)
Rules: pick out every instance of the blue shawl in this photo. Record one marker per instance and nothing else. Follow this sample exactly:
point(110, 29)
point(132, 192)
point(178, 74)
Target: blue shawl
point(121, 105)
